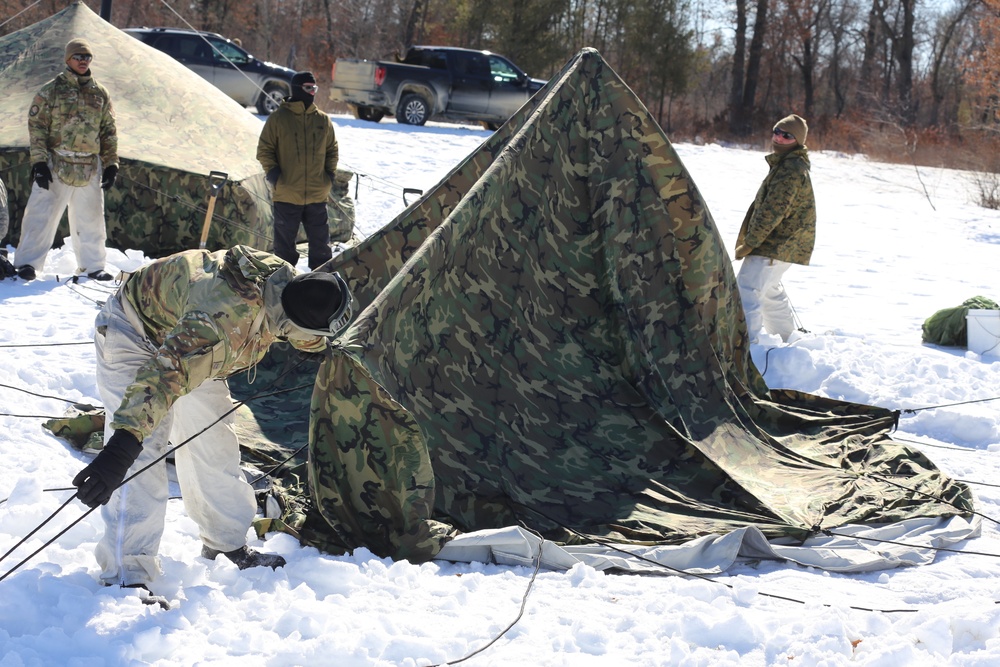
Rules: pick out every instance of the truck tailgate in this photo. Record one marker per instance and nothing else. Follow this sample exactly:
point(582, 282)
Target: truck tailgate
point(354, 74)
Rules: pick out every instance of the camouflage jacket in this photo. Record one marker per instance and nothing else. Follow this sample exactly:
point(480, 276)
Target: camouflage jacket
point(781, 222)
point(72, 117)
point(211, 315)
point(302, 143)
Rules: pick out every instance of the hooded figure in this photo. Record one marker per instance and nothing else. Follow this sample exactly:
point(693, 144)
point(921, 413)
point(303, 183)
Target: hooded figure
point(298, 151)
point(74, 158)
point(166, 342)
point(779, 230)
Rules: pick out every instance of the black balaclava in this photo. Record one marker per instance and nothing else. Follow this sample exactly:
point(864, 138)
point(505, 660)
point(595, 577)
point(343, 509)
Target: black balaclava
point(299, 95)
point(311, 299)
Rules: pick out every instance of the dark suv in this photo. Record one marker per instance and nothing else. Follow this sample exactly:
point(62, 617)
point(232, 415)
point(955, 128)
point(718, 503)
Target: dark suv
point(235, 72)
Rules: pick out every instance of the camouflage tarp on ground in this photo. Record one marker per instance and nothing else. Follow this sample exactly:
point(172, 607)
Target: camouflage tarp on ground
point(174, 129)
point(567, 349)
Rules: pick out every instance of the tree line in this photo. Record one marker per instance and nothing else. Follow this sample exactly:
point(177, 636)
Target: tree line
point(922, 70)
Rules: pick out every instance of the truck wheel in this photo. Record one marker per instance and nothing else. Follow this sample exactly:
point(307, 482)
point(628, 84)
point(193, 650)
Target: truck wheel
point(367, 113)
point(270, 99)
point(412, 110)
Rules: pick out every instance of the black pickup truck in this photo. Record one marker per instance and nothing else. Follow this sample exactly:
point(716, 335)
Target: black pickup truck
point(433, 82)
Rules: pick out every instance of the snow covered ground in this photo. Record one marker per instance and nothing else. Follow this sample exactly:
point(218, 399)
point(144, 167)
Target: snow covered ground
point(888, 256)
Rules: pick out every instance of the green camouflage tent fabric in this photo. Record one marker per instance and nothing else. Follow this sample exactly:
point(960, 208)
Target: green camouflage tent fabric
point(554, 336)
point(174, 130)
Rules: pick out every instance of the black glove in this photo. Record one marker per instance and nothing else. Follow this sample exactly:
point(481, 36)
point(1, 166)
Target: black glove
point(105, 473)
point(41, 175)
point(272, 176)
point(109, 176)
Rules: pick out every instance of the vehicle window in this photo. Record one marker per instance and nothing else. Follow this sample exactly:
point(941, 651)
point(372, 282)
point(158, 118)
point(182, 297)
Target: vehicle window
point(223, 51)
point(192, 48)
point(471, 64)
point(503, 71)
point(436, 61)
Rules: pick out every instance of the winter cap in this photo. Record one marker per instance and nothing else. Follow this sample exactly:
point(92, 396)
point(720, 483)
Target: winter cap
point(795, 126)
point(302, 77)
point(78, 45)
point(318, 302)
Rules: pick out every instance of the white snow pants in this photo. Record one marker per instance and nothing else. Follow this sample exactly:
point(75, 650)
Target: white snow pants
point(215, 494)
point(87, 230)
point(765, 302)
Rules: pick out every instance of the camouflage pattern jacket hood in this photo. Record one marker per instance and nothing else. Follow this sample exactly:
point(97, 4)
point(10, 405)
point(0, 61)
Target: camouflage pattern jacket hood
point(302, 143)
point(781, 222)
point(73, 114)
point(210, 315)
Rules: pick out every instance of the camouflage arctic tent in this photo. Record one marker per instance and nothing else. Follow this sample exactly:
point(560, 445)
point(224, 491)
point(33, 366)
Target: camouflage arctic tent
point(174, 130)
point(553, 336)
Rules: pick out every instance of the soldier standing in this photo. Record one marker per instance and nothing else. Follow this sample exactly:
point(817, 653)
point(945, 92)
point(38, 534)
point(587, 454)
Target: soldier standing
point(298, 150)
point(166, 343)
point(779, 230)
point(71, 128)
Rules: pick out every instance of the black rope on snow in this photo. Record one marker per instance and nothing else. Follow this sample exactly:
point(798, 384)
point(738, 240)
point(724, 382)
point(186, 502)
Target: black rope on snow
point(948, 405)
point(67, 488)
point(520, 613)
point(57, 398)
point(827, 531)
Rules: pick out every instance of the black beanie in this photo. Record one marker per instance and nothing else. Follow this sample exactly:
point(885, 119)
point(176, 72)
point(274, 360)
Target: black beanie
point(299, 95)
point(311, 299)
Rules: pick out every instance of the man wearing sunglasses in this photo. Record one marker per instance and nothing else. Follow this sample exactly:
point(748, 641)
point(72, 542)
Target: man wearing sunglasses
point(779, 230)
point(298, 150)
point(74, 158)
point(166, 343)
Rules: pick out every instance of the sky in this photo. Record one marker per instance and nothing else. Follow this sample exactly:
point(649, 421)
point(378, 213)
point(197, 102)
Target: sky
point(894, 245)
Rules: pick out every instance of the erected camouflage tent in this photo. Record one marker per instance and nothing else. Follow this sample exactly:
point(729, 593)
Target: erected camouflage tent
point(174, 130)
point(553, 337)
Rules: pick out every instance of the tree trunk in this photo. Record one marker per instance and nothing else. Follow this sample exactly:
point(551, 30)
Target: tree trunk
point(753, 62)
point(736, 119)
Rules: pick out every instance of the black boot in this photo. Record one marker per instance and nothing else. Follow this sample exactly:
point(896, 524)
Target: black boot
point(100, 274)
point(245, 557)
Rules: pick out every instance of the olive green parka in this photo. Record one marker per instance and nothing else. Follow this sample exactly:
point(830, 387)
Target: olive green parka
point(301, 143)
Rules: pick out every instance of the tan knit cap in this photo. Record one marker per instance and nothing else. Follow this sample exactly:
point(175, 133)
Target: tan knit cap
point(78, 45)
point(795, 126)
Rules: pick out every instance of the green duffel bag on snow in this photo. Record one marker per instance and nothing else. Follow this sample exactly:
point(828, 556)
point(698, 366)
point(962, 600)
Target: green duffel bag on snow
point(948, 326)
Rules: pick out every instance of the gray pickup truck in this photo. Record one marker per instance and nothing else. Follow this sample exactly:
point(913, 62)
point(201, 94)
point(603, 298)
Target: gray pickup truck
point(434, 82)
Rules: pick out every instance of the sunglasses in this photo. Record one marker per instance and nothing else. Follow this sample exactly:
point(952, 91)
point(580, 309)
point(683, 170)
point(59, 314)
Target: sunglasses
point(310, 87)
point(81, 58)
point(783, 134)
